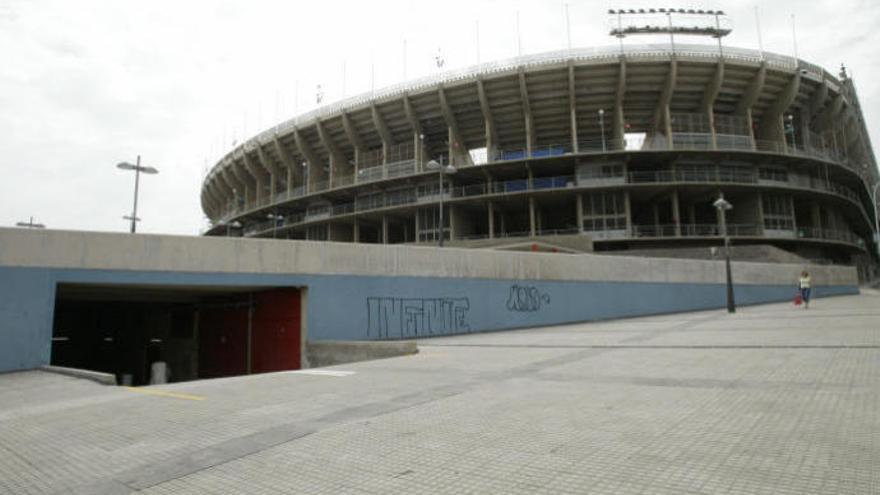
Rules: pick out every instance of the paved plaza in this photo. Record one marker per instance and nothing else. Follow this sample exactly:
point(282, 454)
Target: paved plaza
point(771, 400)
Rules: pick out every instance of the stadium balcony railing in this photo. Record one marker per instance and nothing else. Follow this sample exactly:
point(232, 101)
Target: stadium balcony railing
point(632, 144)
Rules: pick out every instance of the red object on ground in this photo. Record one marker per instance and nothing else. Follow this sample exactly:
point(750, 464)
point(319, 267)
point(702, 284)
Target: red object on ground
point(798, 299)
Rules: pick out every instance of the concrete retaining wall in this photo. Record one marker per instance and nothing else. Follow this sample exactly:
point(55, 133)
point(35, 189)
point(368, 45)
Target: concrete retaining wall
point(332, 352)
point(372, 292)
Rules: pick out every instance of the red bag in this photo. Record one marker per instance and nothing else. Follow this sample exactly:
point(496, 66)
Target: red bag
point(798, 299)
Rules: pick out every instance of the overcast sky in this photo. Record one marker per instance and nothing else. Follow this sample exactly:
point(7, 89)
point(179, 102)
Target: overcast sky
point(86, 84)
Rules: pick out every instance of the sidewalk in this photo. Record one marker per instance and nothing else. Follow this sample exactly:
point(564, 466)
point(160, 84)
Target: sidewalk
point(770, 400)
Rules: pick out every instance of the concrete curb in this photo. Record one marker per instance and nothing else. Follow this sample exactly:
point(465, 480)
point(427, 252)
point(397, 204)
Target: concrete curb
point(332, 352)
point(95, 376)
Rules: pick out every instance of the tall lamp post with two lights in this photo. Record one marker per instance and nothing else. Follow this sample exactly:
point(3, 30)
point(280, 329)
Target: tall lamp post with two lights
point(138, 169)
point(722, 205)
point(30, 224)
point(448, 169)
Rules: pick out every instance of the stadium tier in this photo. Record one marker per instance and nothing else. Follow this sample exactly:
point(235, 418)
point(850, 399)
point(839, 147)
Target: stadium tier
point(588, 149)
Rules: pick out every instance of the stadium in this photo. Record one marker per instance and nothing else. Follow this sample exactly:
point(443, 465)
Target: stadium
point(617, 149)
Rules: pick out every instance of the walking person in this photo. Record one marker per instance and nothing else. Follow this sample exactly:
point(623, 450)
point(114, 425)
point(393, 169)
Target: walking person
point(804, 287)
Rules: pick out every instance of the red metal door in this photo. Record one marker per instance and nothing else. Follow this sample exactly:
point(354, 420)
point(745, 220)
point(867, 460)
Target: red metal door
point(275, 331)
point(223, 340)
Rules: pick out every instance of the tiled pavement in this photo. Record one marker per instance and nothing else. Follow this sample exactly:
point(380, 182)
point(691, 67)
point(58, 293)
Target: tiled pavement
point(771, 400)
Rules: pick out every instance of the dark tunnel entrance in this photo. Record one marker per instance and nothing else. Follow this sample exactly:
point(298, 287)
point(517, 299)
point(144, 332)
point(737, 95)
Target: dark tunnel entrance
point(149, 334)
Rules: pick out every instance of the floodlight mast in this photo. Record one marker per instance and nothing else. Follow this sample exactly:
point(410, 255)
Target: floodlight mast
point(660, 21)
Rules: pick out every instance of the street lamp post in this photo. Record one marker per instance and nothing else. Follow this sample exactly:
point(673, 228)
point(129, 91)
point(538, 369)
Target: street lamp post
point(137, 175)
point(602, 126)
point(421, 152)
point(30, 224)
point(722, 205)
point(449, 169)
point(275, 219)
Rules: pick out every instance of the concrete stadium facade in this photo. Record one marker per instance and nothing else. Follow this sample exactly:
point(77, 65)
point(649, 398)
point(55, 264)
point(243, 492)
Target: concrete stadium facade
point(615, 150)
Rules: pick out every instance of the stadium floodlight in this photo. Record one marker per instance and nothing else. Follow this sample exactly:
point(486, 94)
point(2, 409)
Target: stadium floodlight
point(705, 22)
point(138, 170)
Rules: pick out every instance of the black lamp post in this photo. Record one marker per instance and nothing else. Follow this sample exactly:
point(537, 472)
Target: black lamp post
point(722, 205)
point(137, 175)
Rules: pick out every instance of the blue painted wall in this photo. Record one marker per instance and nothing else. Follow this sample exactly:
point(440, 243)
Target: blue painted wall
point(360, 307)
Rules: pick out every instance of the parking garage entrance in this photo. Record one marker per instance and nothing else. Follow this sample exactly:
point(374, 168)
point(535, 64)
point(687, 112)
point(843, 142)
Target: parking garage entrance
point(192, 332)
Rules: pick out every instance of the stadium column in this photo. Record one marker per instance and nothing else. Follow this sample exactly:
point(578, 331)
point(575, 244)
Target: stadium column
point(356, 142)
point(572, 107)
point(527, 113)
point(458, 153)
point(750, 97)
point(245, 180)
point(662, 117)
point(418, 227)
point(816, 214)
point(853, 134)
point(206, 202)
point(488, 122)
point(628, 208)
point(619, 132)
point(490, 208)
point(232, 183)
point(579, 214)
point(532, 229)
point(339, 166)
point(453, 222)
point(216, 194)
point(293, 172)
point(709, 97)
point(272, 168)
point(256, 173)
point(385, 135)
point(314, 168)
point(827, 122)
point(772, 127)
point(418, 144)
point(676, 213)
point(384, 229)
point(356, 231)
point(818, 100)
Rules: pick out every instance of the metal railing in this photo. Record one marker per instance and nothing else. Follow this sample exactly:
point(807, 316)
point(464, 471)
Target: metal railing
point(740, 230)
point(380, 200)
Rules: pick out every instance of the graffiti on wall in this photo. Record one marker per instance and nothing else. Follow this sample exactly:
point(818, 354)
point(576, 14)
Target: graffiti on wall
point(402, 317)
point(526, 298)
